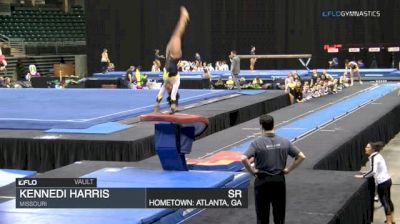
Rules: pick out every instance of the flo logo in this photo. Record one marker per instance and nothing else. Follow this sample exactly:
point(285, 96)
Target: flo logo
point(355, 13)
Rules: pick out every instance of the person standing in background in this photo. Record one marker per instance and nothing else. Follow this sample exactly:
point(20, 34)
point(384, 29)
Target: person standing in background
point(270, 153)
point(235, 68)
point(158, 58)
point(253, 60)
point(379, 171)
point(105, 60)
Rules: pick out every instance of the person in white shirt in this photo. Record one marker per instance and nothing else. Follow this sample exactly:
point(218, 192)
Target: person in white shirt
point(210, 67)
point(224, 66)
point(379, 171)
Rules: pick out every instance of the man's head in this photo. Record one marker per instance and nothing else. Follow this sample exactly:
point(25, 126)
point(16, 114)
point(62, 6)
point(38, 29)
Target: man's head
point(267, 122)
point(233, 54)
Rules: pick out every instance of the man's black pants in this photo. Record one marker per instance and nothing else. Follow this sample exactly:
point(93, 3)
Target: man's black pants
point(270, 190)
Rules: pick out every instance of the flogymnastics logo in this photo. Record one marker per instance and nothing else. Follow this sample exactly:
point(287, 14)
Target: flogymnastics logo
point(354, 13)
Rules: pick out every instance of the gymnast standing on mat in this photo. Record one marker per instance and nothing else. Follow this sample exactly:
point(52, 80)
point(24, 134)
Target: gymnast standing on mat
point(354, 69)
point(173, 54)
point(380, 173)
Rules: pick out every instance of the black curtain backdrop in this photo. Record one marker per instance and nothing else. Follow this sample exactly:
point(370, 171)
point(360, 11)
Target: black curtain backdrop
point(132, 29)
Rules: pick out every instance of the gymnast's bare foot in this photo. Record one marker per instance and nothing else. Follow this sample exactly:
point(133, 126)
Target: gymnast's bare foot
point(157, 108)
point(173, 108)
point(185, 13)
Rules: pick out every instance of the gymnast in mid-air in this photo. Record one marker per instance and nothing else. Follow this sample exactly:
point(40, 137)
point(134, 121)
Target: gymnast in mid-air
point(173, 55)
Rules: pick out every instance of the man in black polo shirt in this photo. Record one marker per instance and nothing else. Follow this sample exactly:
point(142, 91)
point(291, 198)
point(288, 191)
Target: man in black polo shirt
point(270, 153)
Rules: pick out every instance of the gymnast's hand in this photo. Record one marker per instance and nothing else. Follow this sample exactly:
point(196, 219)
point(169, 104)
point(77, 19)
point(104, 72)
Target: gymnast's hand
point(359, 176)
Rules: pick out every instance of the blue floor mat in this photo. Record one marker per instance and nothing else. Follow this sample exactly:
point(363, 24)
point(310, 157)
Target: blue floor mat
point(252, 92)
point(105, 128)
point(8, 176)
point(82, 108)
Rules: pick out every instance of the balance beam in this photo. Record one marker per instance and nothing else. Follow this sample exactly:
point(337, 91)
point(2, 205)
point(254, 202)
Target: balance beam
point(281, 56)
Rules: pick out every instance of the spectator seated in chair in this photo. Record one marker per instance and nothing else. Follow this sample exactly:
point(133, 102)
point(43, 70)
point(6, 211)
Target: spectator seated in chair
point(140, 79)
point(2, 82)
point(242, 81)
point(229, 83)
point(129, 77)
point(307, 92)
point(298, 92)
point(257, 81)
point(110, 67)
point(219, 84)
point(344, 81)
point(32, 73)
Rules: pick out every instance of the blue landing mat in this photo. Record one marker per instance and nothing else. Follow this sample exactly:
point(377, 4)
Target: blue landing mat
point(105, 128)
point(136, 177)
point(315, 120)
point(263, 74)
point(252, 92)
point(248, 74)
point(8, 176)
point(82, 108)
point(378, 73)
point(122, 177)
